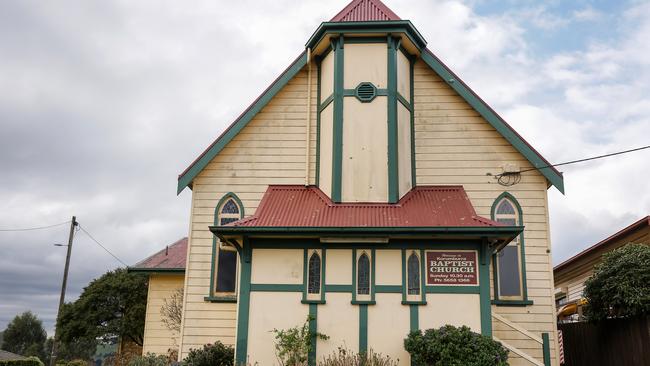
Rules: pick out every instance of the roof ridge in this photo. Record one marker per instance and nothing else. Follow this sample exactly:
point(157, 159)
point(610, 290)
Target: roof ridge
point(365, 10)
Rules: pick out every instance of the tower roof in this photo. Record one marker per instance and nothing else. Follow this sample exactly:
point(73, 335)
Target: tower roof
point(365, 11)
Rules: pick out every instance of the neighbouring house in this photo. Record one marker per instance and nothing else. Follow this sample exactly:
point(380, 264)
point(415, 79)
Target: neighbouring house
point(370, 189)
point(8, 356)
point(166, 272)
point(570, 275)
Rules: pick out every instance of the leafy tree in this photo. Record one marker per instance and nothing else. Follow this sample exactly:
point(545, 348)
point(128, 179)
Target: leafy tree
point(112, 305)
point(216, 354)
point(620, 285)
point(80, 349)
point(25, 336)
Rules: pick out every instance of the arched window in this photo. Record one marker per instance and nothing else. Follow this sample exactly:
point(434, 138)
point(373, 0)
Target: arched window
point(363, 275)
point(228, 210)
point(413, 270)
point(509, 274)
point(313, 282)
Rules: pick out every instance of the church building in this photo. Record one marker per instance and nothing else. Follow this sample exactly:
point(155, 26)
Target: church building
point(369, 189)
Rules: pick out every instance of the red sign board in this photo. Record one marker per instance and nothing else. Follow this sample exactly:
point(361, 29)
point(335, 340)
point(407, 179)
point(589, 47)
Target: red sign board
point(449, 267)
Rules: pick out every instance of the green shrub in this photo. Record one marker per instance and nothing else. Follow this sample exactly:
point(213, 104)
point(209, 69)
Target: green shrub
point(77, 363)
point(451, 346)
point(292, 346)
point(150, 359)
point(216, 354)
point(620, 285)
point(344, 357)
point(29, 361)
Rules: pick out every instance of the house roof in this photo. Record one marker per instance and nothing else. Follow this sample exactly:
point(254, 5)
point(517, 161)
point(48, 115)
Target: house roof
point(636, 226)
point(372, 11)
point(423, 206)
point(8, 356)
point(170, 259)
point(364, 11)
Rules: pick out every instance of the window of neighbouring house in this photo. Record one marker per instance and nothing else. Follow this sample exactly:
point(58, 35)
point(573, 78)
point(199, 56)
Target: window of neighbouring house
point(508, 264)
point(225, 281)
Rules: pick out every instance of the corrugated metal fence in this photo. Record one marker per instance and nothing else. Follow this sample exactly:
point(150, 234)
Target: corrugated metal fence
point(612, 342)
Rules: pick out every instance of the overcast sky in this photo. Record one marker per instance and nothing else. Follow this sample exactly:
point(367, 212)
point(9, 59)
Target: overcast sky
point(103, 103)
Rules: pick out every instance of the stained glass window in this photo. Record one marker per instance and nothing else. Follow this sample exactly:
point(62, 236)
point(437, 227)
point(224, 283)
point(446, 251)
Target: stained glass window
point(313, 283)
point(230, 207)
point(363, 275)
point(413, 270)
point(505, 207)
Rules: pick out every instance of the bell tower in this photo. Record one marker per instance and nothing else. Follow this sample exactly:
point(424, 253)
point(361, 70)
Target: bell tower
point(365, 106)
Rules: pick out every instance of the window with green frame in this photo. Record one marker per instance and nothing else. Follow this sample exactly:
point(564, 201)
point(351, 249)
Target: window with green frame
point(509, 264)
point(224, 256)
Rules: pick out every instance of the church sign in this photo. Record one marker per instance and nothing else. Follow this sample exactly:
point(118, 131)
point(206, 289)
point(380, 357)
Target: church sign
point(452, 267)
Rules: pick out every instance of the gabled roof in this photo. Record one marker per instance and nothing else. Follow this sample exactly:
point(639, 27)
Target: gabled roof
point(8, 356)
point(365, 11)
point(170, 259)
point(373, 11)
point(423, 206)
point(613, 239)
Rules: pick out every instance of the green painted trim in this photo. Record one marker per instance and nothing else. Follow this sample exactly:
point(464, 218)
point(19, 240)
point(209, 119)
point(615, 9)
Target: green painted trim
point(276, 287)
point(313, 329)
point(522, 249)
point(546, 349)
point(226, 299)
point(393, 139)
point(185, 179)
point(357, 40)
point(352, 92)
point(404, 275)
point(414, 318)
point(325, 103)
point(363, 302)
point(337, 128)
point(361, 98)
point(305, 276)
point(412, 103)
point(403, 101)
point(452, 289)
point(390, 26)
point(354, 275)
point(372, 275)
point(394, 244)
point(363, 328)
point(484, 285)
point(245, 260)
point(512, 302)
point(388, 289)
point(156, 270)
point(318, 96)
point(338, 288)
point(423, 275)
point(417, 302)
point(554, 177)
point(213, 263)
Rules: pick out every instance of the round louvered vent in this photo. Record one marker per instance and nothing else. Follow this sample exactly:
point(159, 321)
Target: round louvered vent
point(365, 92)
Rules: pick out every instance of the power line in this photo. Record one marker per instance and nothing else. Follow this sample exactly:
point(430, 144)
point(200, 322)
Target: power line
point(37, 228)
point(587, 159)
point(103, 247)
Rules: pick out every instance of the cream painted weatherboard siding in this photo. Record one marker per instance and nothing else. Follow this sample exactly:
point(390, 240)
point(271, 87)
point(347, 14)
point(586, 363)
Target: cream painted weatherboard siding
point(269, 150)
point(157, 337)
point(454, 145)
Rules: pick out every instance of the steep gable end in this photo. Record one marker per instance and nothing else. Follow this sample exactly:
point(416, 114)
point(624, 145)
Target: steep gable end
point(364, 11)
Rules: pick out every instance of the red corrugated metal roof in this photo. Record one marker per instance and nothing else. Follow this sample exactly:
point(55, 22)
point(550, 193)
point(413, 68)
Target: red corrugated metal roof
point(172, 257)
point(364, 11)
point(423, 206)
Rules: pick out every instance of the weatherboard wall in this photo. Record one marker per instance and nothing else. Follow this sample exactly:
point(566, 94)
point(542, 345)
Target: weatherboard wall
point(157, 337)
point(269, 150)
point(453, 145)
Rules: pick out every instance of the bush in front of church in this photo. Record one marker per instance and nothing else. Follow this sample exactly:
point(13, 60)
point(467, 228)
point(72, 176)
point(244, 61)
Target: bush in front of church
point(216, 354)
point(452, 346)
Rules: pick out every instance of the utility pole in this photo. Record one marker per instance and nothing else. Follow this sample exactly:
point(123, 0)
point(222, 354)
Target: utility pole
point(73, 224)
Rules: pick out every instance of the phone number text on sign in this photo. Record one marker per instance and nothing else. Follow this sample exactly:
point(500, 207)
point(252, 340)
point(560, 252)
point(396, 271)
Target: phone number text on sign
point(446, 267)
